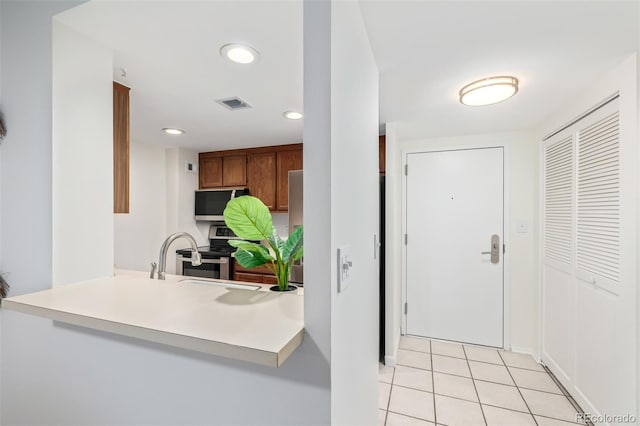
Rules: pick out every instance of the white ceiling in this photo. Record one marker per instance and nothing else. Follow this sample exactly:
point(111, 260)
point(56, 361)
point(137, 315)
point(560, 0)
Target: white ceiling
point(170, 50)
point(426, 51)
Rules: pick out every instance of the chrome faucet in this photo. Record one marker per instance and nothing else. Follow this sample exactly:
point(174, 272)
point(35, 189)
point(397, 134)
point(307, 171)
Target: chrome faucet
point(196, 259)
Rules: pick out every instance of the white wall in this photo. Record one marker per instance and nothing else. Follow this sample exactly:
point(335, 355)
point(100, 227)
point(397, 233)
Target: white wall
point(139, 234)
point(354, 218)
point(521, 257)
point(180, 202)
point(57, 374)
point(25, 180)
point(96, 378)
point(82, 140)
point(602, 381)
point(393, 244)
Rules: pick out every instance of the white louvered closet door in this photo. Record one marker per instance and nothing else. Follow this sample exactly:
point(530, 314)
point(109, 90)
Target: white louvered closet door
point(558, 243)
point(588, 296)
point(598, 209)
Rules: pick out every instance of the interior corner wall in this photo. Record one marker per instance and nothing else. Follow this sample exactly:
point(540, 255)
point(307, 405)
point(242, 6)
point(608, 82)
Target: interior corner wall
point(393, 245)
point(354, 218)
point(317, 172)
point(139, 234)
point(638, 221)
point(180, 200)
point(26, 161)
point(522, 248)
point(82, 141)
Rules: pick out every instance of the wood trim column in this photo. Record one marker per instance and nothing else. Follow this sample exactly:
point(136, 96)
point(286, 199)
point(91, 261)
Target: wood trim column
point(120, 148)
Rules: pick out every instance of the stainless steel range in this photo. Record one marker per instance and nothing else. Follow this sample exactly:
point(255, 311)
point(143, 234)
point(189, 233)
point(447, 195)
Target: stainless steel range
point(216, 258)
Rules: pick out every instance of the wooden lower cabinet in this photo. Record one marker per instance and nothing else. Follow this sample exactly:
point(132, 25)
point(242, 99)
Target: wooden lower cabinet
point(247, 277)
point(258, 275)
point(269, 279)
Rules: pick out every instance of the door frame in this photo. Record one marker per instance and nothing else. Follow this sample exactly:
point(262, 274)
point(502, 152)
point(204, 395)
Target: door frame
point(506, 204)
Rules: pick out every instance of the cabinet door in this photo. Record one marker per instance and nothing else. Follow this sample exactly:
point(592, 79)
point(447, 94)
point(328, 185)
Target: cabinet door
point(269, 279)
point(234, 170)
point(249, 278)
point(261, 177)
point(210, 171)
point(287, 160)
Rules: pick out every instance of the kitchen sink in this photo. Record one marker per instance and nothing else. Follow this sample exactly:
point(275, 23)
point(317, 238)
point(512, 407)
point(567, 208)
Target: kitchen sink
point(222, 284)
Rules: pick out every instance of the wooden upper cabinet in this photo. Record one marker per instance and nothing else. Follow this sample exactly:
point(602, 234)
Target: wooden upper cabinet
point(264, 170)
point(120, 148)
point(382, 153)
point(286, 161)
point(261, 177)
point(234, 170)
point(210, 171)
point(217, 170)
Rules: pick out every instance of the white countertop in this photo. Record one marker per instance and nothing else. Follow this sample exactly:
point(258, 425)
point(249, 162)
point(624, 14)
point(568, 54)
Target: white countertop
point(258, 326)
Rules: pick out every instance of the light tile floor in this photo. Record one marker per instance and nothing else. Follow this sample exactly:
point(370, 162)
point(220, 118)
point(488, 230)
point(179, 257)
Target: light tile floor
point(458, 385)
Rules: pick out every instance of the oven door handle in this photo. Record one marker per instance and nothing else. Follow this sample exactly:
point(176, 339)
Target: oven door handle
point(181, 258)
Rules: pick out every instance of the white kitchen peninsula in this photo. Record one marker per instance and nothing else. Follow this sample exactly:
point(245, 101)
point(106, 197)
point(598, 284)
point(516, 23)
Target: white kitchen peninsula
point(258, 326)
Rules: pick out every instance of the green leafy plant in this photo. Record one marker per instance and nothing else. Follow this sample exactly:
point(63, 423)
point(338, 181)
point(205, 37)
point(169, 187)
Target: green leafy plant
point(251, 220)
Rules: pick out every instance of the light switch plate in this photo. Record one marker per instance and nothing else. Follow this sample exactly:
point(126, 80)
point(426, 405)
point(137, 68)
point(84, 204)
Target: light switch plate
point(345, 264)
point(522, 227)
point(190, 167)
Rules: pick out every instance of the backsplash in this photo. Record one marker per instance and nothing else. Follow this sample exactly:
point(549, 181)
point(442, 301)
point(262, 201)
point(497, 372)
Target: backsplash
point(281, 222)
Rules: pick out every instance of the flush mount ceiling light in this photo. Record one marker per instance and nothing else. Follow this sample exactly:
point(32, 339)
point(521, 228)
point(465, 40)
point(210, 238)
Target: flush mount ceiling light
point(239, 53)
point(173, 131)
point(489, 91)
point(292, 115)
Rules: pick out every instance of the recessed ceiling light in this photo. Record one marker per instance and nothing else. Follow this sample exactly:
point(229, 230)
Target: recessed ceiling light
point(292, 115)
point(173, 131)
point(240, 53)
point(489, 91)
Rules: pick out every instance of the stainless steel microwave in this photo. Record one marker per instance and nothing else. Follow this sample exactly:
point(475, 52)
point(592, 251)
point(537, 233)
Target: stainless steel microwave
point(210, 203)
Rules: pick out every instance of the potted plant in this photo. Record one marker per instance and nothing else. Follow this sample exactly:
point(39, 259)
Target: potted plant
point(251, 220)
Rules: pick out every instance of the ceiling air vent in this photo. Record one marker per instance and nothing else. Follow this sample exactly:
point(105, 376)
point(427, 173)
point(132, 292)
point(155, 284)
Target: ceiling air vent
point(233, 103)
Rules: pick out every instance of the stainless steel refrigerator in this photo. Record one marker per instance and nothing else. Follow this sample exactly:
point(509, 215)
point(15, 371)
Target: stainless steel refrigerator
point(295, 218)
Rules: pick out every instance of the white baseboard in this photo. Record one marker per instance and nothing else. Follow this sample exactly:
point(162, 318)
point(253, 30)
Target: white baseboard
point(390, 361)
point(527, 351)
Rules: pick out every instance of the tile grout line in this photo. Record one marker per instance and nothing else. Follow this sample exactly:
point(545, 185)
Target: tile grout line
point(504, 364)
point(474, 386)
point(562, 420)
point(417, 418)
point(508, 367)
point(566, 394)
point(386, 413)
point(433, 384)
point(482, 403)
point(519, 392)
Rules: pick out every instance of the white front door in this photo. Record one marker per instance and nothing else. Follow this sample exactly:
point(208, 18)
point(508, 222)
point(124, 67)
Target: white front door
point(454, 209)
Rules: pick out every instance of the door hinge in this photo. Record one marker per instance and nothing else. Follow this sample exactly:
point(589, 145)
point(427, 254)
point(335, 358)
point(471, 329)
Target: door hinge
point(406, 309)
point(504, 248)
point(406, 239)
point(406, 170)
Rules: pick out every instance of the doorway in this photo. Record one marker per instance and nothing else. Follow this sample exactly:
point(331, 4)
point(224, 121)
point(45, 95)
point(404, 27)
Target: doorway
point(454, 245)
